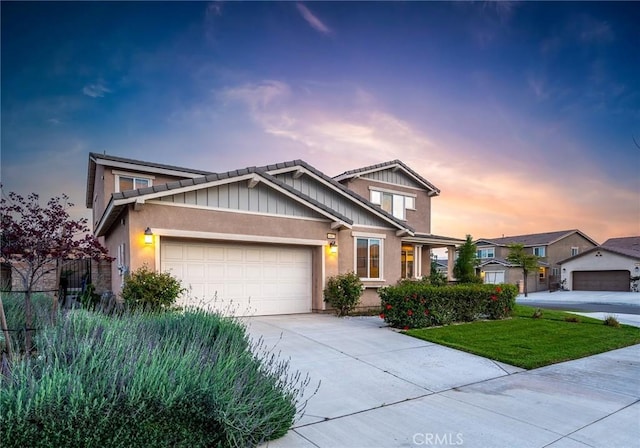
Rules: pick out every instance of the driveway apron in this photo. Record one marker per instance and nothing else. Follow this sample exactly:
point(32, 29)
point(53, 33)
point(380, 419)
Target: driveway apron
point(379, 388)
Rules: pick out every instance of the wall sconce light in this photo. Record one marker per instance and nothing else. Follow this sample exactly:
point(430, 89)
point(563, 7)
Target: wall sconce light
point(637, 268)
point(148, 236)
point(333, 247)
point(564, 269)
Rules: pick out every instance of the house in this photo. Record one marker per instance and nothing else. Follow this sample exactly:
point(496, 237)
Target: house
point(550, 247)
point(613, 266)
point(263, 240)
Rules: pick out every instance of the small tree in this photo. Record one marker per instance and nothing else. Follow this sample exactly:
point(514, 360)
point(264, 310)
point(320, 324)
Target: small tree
point(527, 262)
point(35, 239)
point(436, 278)
point(343, 292)
point(464, 269)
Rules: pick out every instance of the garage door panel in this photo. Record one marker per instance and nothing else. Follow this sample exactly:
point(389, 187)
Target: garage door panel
point(214, 253)
point(173, 252)
point(194, 253)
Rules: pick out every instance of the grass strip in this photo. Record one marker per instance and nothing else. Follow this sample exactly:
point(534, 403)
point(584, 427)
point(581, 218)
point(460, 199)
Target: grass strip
point(528, 342)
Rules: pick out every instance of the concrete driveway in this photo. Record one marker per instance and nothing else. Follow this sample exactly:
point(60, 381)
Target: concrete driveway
point(379, 388)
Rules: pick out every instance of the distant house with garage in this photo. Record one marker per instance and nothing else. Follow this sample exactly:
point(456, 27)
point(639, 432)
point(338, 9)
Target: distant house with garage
point(550, 247)
point(612, 266)
point(264, 239)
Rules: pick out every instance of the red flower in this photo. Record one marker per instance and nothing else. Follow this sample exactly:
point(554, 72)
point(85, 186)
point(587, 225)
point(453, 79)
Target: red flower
point(415, 296)
point(409, 313)
point(381, 315)
point(426, 312)
point(405, 328)
point(389, 306)
point(498, 289)
point(494, 298)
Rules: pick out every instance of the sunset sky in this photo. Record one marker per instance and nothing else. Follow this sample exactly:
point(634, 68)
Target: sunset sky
point(523, 114)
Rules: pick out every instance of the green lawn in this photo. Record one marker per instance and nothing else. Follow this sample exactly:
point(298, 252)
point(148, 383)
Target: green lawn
point(529, 343)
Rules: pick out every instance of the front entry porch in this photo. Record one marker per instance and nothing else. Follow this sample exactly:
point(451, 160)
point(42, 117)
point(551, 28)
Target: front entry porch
point(416, 252)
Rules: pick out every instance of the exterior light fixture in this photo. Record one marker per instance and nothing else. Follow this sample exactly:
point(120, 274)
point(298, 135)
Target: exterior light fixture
point(333, 247)
point(148, 236)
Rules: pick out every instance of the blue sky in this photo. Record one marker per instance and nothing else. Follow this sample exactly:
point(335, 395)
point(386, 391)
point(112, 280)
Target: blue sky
point(523, 114)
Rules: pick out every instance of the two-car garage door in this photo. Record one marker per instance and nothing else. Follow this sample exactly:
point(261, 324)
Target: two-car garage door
point(601, 280)
point(241, 279)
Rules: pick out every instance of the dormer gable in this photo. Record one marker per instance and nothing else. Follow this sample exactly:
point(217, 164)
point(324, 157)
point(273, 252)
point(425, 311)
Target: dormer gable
point(130, 173)
point(394, 172)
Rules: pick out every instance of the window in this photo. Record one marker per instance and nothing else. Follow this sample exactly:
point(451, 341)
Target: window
point(407, 260)
point(130, 181)
point(396, 204)
point(542, 274)
point(575, 251)
point(368, 252)
point(489, 252)
point(539, 251)
point(555, 272)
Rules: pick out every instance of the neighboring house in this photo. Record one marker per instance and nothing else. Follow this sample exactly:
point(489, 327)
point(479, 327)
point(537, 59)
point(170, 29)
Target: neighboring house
point(551, 247)
point(264, 239)
point(613, 266)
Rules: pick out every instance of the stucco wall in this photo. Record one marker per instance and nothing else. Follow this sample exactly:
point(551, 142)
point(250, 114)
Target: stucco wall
point(129, 228)
point(419, 219)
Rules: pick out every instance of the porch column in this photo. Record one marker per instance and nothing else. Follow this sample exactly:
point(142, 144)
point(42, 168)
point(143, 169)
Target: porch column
point(451, 252)
point(417, 261)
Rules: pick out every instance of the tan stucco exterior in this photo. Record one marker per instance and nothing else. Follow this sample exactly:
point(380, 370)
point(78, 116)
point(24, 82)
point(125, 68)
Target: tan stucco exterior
point(213, 224)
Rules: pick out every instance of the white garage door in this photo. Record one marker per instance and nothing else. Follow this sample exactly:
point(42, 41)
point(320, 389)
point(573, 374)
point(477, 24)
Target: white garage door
point(241, 279)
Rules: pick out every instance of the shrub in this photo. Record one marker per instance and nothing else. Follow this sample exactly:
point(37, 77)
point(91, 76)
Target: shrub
point(611, 321)
point(156, 380)
point(415, 305)
point(343, 292)
point(574, 319)
point(14, 308)
point(151, 291)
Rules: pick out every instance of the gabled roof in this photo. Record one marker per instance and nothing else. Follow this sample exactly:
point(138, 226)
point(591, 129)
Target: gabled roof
point(629, 245)
point(134, 165)
point(626, 246)
point(297, 164)
point(121, 199)
point(533, 239)
point(505, 262)
point(397, 164)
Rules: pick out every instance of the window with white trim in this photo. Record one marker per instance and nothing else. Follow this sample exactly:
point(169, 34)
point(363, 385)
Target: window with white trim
point(396, 204)
point(369, 258)
point(575, 251)
point(125, 182)
point(488, 252)
point(539, 251)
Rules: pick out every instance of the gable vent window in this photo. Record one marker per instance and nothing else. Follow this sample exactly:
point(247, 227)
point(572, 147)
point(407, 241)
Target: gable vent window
point(396, 204)
point(575, 251)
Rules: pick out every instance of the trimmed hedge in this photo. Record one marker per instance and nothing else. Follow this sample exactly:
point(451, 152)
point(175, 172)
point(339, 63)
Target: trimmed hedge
point(417, 305)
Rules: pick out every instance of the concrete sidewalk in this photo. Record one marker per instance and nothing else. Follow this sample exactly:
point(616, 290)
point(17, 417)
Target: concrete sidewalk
point(379, 388)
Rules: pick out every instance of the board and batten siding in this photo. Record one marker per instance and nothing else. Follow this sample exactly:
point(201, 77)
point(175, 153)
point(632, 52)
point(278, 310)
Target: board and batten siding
point(335, 201)
point(238, 196)
point(393, 177)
